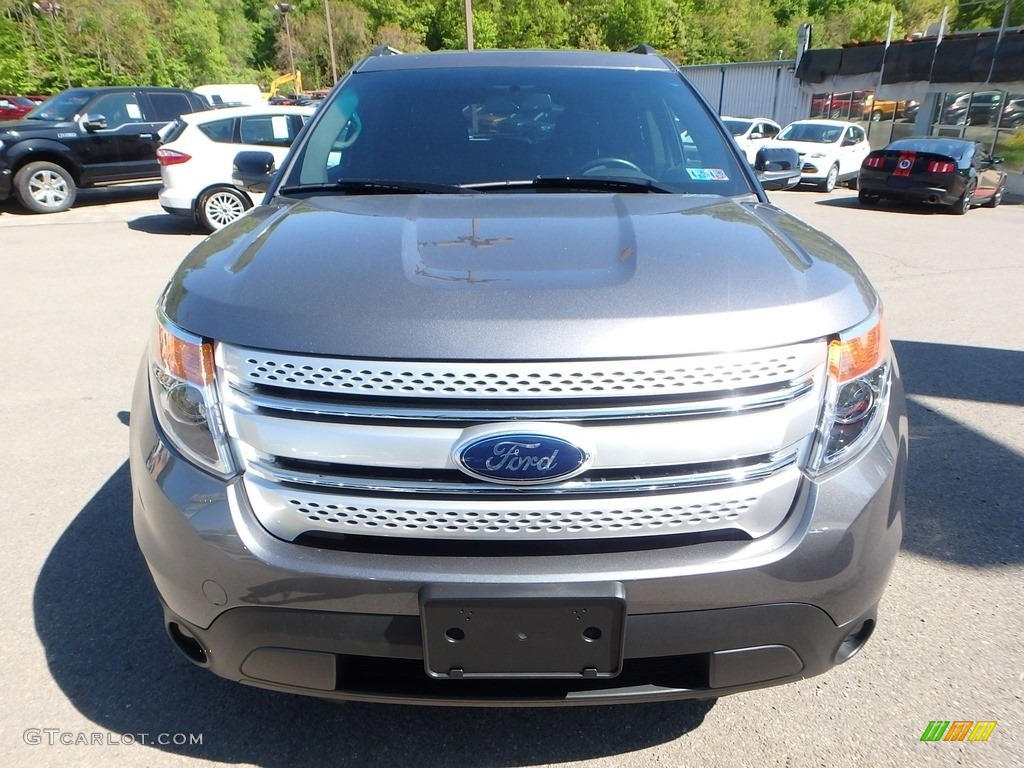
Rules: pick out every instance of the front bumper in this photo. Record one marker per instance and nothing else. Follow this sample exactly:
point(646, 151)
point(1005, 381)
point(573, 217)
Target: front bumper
point(702, 619)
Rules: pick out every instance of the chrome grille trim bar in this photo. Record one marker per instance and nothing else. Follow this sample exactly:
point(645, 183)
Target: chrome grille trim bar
point(396, 411)
point(666, 484)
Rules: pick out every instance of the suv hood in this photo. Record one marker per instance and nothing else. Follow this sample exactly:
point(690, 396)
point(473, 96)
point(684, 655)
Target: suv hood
point(517, 276)
point(29, 127)
point(805, 147)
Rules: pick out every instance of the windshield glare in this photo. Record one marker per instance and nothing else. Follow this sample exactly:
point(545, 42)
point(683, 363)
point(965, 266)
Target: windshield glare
point(481, 125)
point(61, 108)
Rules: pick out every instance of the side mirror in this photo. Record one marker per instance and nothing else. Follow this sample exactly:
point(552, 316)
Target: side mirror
point(253, 171)
point(777, 168)
point(756, 136)
point(996, 160)
point(91, 123)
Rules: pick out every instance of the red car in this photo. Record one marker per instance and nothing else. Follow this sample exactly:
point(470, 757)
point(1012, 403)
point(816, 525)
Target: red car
point(13, 107)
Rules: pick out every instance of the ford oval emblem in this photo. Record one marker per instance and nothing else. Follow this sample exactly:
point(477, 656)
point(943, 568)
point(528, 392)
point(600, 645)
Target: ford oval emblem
point(521, 457)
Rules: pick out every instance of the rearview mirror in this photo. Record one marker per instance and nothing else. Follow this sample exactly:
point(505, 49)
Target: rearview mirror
point(92, 123)
point(777, 168)
point(253, 171)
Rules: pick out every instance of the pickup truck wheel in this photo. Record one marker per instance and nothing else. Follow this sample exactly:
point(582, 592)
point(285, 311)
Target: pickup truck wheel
point(45, 188)
point(220, 206)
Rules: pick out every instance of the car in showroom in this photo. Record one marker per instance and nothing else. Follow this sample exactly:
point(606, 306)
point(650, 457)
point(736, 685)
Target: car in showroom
point(955, 173)
point(845, 105)
point(1012, 115)
point(550, 409)
point(985, 108)
point(87, 137)
point(751, 133)
point(876, 110)
point(831, 151)
point(198, 151)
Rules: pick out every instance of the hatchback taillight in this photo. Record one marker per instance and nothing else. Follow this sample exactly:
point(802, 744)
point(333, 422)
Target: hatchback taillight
point(874, 162)
point(171, 156)
point(941, 166)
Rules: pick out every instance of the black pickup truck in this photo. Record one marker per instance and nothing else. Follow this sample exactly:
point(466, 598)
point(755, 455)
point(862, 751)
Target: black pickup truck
point(86, 137)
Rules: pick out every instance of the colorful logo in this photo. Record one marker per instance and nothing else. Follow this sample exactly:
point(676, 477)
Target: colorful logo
point(958, 730)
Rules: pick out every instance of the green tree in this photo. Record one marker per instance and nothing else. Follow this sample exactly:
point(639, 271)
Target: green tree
point(533, 24)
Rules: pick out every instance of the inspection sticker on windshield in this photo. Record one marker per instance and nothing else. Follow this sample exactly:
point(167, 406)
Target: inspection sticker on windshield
point(707, 174)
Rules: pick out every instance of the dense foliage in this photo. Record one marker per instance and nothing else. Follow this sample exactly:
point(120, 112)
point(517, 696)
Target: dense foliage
point(191, 42)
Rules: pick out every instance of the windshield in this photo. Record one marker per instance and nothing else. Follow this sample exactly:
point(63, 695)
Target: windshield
point(503, 127)
point(816, 133)
point(62, 107)
point(736, 127)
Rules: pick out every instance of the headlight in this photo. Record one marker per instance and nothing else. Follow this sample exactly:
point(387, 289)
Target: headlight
point(183, 385)
point(856, 394)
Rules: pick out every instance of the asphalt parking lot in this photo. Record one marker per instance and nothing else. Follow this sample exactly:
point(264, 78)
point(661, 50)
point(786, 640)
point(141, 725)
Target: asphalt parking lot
point(90, 679)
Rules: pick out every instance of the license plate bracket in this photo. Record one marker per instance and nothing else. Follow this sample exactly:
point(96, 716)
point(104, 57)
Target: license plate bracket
point(490, 631)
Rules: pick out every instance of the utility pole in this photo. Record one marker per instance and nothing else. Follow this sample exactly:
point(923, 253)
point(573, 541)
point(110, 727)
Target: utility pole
point(284, 9)
point(330, 42)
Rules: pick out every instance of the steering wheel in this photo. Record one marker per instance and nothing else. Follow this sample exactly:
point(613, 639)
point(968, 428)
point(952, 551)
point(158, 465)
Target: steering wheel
point(350, 131)
point(607, 163)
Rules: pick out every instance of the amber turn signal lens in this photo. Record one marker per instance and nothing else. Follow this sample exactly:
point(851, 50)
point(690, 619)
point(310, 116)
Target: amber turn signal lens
point(184, 359)
point(851, 358)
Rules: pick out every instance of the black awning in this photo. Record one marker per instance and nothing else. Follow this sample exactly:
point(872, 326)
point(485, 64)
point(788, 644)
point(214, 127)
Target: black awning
point(861, 59)
point(819, 65)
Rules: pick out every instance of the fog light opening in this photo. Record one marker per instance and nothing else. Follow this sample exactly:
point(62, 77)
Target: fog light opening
point(855, 641)
point(187, 644)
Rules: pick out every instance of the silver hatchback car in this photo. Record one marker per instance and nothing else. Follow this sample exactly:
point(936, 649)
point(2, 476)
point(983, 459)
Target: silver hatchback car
point(517, 390)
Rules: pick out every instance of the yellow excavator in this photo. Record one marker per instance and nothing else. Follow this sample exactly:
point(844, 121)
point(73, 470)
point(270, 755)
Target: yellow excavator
point(291, 77)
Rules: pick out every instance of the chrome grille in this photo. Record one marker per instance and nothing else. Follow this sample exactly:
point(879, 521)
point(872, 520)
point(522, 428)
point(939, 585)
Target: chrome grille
point(362, 447)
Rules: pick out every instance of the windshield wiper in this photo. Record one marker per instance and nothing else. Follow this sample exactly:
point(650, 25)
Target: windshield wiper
point(373, 187)
point(579, 183)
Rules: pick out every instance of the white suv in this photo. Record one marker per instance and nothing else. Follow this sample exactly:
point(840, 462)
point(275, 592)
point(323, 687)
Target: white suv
point(198, 153)
point(831, 151)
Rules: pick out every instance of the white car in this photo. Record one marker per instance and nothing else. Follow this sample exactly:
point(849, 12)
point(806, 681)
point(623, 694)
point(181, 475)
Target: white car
point(831, 151)
point(198, 152)
point(751, 133)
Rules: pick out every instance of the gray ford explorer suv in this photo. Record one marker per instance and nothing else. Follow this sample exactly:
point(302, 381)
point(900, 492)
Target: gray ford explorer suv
point(517, 390)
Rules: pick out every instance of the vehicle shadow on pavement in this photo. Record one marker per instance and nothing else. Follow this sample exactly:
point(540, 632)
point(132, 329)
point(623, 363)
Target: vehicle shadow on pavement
point(165, 224)
point(97, 615)
point(899, 206)
point(963, 489)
